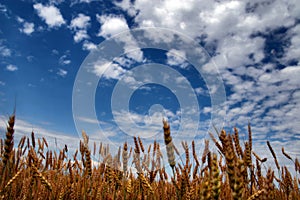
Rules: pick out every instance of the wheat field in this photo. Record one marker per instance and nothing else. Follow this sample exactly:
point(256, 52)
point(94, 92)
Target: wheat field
point(30, 170)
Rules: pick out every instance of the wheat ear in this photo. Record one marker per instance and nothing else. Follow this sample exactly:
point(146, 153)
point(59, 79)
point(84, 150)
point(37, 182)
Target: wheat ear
point(9, 141)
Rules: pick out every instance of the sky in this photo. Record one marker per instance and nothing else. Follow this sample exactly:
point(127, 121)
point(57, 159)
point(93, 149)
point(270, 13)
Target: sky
point(116, 68)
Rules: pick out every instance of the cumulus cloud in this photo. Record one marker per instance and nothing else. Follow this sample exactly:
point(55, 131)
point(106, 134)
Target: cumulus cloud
point(27, 28)
point(176, 57)
point(89, 46)
point(80, 35)
point(4, 50)
point(293, 51)
point(50, 14)
point(80, 22)
point(11, 68)
point(108, 70)
point(237, 35)
point(149, 123)
point(79, 25)
point(111, 25)
point(231, 22)
point(264, 101)
point(200, 91)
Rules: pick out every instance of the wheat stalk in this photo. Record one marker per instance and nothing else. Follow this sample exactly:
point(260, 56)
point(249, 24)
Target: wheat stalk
point(9, 141)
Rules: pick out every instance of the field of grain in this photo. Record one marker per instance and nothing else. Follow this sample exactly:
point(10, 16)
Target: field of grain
point(30, 170)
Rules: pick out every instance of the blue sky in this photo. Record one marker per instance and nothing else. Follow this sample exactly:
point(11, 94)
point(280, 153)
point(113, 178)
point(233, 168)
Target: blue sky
point(194, 62)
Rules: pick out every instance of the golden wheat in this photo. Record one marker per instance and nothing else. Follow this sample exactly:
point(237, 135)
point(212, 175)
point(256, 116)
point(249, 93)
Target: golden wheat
point(33, 171)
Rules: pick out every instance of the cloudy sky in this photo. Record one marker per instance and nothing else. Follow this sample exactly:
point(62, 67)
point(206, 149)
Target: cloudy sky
point(115, 68)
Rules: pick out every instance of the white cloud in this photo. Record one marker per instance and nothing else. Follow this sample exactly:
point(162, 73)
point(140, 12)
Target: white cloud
point(50, 14)
point(88, 120)
point(11, 68)
point(207, 109)
point(176, 57)
point(235, 51)
point(179, 80)
point(28, 28)
point(79, 25)
point(3, 8)
point(108, 70)
point(124, 61)
point(56, 2)
point(4, 51)
point(293, 51)
point(200, 91)
point(89, 46)
point(2, 83)
point(63, 60)
point(80, 22)
point(80, 35)
point(74, 2)
point(62, 72)
point(262, 102)
point(54, 52)
point(151, 123)
point(228, 27)
point(20, 20)
point(288, 75)
point(111, 25)
point(30, 58)
point(214, 20)
point(261, 93)
point(126, 5)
